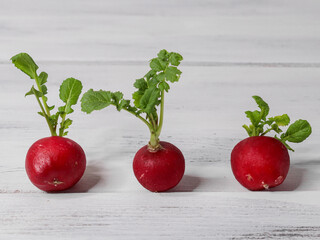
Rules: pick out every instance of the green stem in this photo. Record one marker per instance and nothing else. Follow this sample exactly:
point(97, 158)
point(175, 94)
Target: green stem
point(254, 132)
point(247, 129)
point(154, 141)
point(53, 133)
point(142, 119)
point(61, 130)
point(161, 114)
point(154, 124)
point(43, 100)
point(265, 132)
point(154, 138)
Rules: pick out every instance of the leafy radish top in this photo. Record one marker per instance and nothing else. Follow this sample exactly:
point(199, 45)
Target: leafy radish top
point(70, 91)
point(148, 96)
point(261, 125)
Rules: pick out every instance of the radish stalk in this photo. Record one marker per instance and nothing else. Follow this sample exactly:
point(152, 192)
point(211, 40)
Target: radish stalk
point(54, 163)
point(158, 166)
point(260, 162)
point(149, 95)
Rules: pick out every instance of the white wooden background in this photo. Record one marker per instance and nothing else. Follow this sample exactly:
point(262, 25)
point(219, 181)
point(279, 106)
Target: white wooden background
point(232, 50)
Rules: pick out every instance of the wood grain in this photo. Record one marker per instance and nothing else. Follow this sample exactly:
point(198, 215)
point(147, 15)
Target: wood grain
point(232, 50)
point(159, 216)
point(210, 31)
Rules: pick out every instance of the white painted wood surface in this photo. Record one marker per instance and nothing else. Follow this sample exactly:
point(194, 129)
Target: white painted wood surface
point(232, 50)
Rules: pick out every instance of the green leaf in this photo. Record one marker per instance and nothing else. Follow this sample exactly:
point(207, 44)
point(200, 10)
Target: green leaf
point(161, 77)
point(148, 92)
point(95, 100)
point(275, 127)
point(43, 78)
point(263, 106)
point(70, 91)
point(297, 132)
point(150, 74)
point(41, 114)
point(26, 64)
point(124, 104)
point(54, 119)
point(51, 107)
point(64, 125)
point(30, 92)
point(141, 84)
point(156, 65)
point(149, 100)
point(175, 59)
point(282, 120)
point(255, 117)
point(117, 97)
point(44, 89)
point(136, 96)
point(61, 110)
point(118, 101)
point(164, 86)
point(35, 92)
point(153, 82)
point(163, 55)
point(67, 123)
point(172, 74)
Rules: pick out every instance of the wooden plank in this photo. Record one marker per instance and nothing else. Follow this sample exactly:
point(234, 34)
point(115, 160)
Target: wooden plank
point(232, 50)
point(160, 216)
point(205, 31)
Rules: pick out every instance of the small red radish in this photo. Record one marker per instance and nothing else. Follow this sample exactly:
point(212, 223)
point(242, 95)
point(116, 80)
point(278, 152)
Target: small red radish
point(260, 162)
point(54, 163)
point(158, 166)
point(160, 170)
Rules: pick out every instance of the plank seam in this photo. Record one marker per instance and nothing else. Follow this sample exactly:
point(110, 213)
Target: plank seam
point(185, 63)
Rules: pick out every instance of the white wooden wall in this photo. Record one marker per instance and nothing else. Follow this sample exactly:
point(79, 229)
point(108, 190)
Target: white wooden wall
point(232, 50)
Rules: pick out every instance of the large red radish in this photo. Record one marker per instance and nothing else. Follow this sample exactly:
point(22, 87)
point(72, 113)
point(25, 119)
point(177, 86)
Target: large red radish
point(55, 163)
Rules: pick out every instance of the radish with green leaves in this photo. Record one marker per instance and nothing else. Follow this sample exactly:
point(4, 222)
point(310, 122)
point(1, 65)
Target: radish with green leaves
point(260, 162)
point(53, 163)
point(158, 166)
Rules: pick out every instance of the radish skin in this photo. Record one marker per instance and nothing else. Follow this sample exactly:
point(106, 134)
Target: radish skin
point(260, 162)
point(159, 170)
point(55, 163)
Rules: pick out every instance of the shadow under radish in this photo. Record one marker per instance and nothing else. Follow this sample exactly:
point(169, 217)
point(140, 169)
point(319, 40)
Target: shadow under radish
point(292, 181)
point(187, 184)
point(308, 162)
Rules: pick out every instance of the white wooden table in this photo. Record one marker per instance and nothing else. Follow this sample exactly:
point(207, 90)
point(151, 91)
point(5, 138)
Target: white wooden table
point(232, 50)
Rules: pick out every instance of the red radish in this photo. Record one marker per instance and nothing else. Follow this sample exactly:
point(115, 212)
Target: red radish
point(54, 163)
point(161, 170)
point(260, 162)
point(159, 166)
